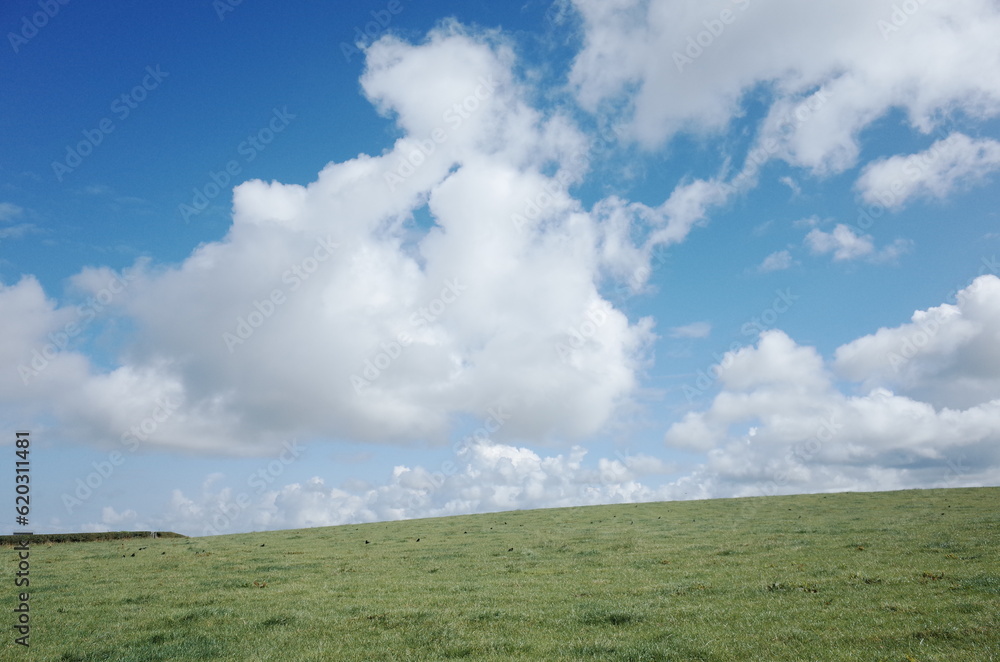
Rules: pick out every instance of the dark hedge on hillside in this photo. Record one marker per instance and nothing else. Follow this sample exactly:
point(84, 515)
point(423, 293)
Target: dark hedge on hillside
point(39, 538)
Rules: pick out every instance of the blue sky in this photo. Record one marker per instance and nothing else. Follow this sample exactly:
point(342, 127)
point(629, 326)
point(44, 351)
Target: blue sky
point(258, 272)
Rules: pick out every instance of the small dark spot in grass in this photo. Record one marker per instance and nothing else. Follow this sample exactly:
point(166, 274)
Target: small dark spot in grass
point(137, 599)
point(600, 616)
point(275, 621)
point(935, 634)
point(806, 588)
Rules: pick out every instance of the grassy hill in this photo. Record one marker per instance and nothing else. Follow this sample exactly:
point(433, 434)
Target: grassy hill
point(898, 576)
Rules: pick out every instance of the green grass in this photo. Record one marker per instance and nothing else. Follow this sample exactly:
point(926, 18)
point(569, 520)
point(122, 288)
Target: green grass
point(896, 576)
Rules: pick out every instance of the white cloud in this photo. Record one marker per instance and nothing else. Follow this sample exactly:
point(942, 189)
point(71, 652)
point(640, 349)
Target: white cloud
point(843, 242)
point(947, 355)
point(326, 311)
point(950, 164)
point(776, 261)
point(693, 330)
point(791, 184)
point(780, 424)
point(941, 427)
point(9, 211)
point(484, 476)
point(845, 245)
point(835, 69)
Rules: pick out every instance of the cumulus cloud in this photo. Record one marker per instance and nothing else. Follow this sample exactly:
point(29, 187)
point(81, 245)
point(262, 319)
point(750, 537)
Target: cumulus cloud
point(949, 164)
point(845, 244)
point(927, 410)
point(332, 310)
point(685, 65)
point(947, 356)
point(483, 476)
point(783, 421)
point(777, 261)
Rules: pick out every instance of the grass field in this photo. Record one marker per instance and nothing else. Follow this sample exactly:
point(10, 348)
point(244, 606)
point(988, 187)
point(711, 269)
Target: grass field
point(897, 576)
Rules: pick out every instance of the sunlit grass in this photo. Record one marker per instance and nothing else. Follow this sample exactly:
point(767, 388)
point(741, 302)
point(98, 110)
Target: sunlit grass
point(901, 576)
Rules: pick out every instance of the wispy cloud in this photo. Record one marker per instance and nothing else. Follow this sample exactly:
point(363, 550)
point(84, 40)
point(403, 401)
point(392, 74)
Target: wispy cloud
point(693, 330)
point(951, 164)
point(9, 211)
point(777, 261)
point(846, 245)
